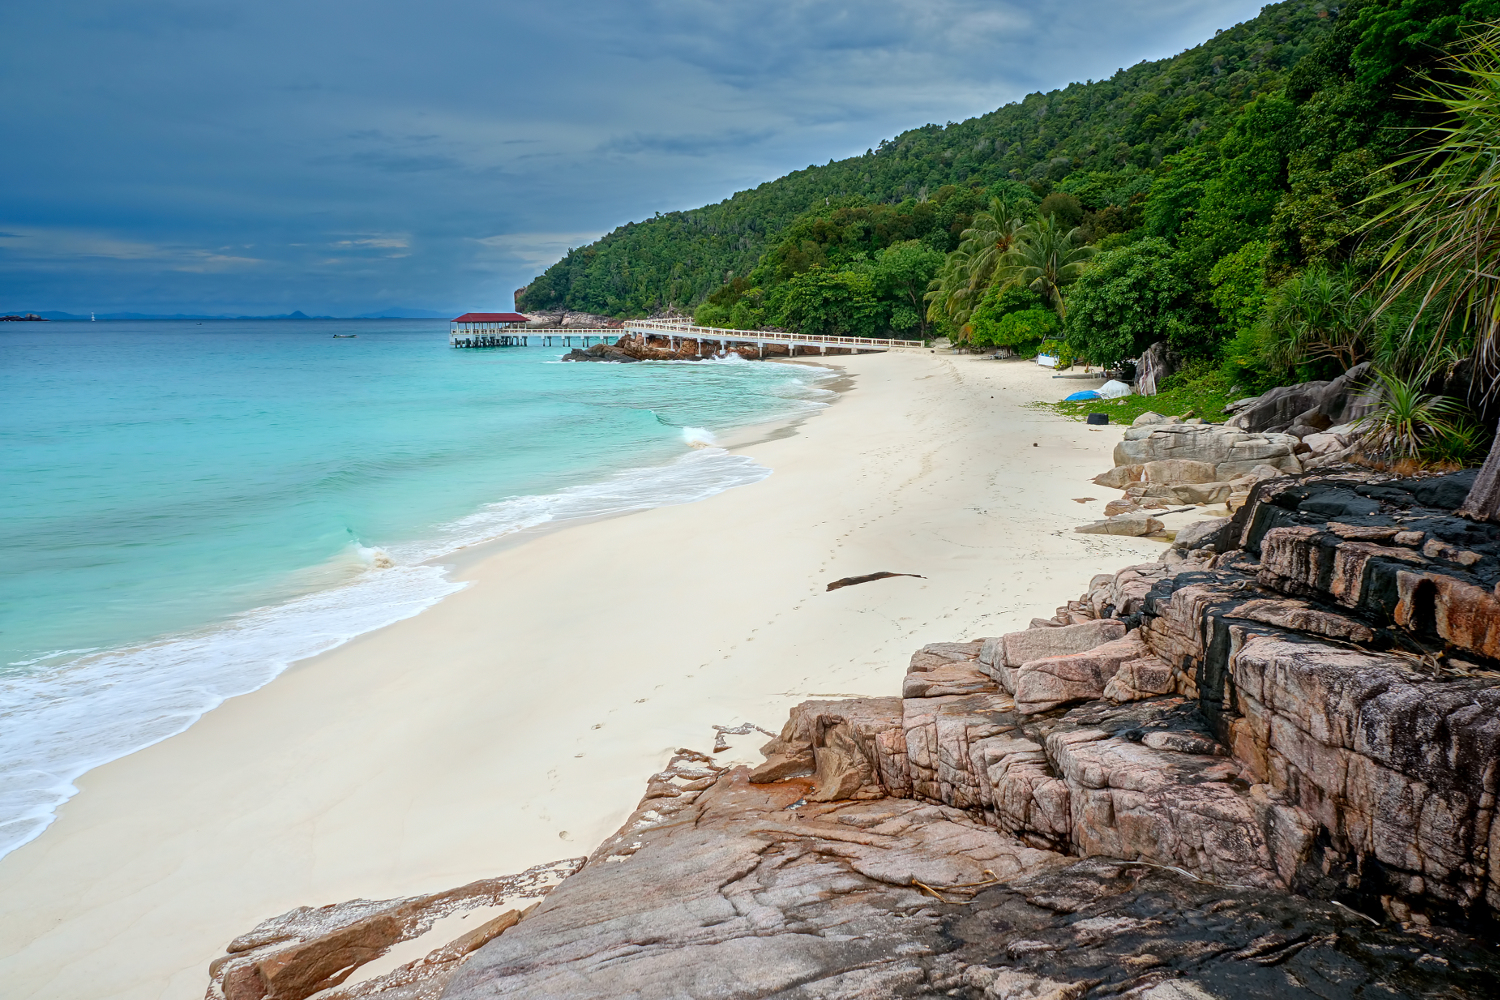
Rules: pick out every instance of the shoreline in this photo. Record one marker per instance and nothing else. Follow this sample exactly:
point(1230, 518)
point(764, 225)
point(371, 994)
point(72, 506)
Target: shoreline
point(732, 440)
point(188, 673)
point(514, 722)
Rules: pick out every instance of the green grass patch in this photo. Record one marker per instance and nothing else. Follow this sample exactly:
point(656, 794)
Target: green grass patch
point(1196, 391)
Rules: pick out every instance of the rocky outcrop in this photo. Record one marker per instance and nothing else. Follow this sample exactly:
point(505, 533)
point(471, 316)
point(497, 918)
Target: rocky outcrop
point(639, 347)
point(1128, 522)
point(1230, 452)
point(1308, 407)
point(1267, 763)
point(1306, 697)
point(1200, 534)
point(1167, 461)
point(601, 352)
point(566, 318)
point(314, 951)
point(755, 891)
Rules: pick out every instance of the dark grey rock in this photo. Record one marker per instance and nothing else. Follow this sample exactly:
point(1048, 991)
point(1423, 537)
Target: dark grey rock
point(1308, 407)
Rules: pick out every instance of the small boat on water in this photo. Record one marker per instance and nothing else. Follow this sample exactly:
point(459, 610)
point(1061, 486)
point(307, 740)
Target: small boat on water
point(345, 336)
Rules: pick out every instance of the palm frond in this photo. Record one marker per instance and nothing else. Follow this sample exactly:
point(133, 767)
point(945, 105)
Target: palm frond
point(1045, 259)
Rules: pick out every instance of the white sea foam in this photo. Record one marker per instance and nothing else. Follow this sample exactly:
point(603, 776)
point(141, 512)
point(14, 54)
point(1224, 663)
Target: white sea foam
point(55, 654)
point(59, 720)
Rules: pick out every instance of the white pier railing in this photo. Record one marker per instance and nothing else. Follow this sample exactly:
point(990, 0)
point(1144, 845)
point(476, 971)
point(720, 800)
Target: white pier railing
point(516, 335)
point(687, 331)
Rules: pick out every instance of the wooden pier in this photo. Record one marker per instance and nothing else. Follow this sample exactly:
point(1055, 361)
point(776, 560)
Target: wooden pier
point(514, 330)
point(511, 330)
point(781, 342)
point(536, 336)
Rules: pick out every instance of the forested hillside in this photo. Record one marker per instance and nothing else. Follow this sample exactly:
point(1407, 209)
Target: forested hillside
point(1120, 128)
point(1309, 191)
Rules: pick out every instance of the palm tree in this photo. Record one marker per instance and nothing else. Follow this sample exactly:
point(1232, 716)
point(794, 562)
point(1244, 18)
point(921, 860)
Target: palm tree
point(1445, 215)
point(967, 272)
point(989, 238)
point(949, 295)
point(1045, 259)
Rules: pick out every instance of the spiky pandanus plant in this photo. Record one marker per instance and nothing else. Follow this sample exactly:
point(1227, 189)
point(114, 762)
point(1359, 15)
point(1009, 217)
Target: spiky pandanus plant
point(1409, 423)
point(1319, 314)
point(1046, 259)
point(1445, 215)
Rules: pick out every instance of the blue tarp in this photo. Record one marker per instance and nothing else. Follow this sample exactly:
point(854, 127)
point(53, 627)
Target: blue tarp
point(1080, 396)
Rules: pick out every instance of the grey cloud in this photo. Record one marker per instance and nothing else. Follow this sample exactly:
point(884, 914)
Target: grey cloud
point(399, 163)
point(686, 145)
point(158, 16)
point(467, 121)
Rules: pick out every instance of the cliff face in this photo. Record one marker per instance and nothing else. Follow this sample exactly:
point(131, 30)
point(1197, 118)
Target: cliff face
point(1265, 764)
point(568, 317)
point(1314, 708)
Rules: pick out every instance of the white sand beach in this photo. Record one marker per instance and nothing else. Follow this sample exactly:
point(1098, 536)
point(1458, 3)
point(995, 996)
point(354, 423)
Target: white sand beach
point(517, 721)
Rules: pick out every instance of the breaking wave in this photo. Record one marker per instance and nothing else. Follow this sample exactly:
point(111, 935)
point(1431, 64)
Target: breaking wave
point(72, 713)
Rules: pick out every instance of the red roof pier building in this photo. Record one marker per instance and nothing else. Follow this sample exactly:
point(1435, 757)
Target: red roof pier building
point(514, 330)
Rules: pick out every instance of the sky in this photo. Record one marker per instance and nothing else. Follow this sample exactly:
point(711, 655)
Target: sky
point(343, 158)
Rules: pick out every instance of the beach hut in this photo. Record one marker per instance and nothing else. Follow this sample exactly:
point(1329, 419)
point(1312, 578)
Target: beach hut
point(488, 322)
point(485, 329)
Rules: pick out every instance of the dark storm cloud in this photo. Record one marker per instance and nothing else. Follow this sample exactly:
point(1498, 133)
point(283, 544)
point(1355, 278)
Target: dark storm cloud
point(345, 157)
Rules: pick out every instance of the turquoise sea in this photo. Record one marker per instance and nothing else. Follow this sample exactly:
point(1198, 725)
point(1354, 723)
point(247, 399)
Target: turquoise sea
point(189, 507)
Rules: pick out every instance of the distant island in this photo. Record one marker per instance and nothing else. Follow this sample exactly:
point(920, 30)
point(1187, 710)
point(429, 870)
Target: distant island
point(28, 318)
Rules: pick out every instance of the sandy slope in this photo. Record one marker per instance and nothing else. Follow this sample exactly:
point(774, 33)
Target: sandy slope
point(517, 721)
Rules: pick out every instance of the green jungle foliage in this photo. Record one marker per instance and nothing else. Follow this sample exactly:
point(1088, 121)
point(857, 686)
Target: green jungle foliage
point(1015, 317)
point(1099, 141)
point(1020, 329)
point(1233, 201)
point(1130, 298)
point(1199, 390)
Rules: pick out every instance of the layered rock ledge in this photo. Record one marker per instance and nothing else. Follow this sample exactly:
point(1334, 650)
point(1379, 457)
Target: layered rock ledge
point(1263, 765)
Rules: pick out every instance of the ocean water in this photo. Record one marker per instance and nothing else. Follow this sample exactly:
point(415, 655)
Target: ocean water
point(190, 507)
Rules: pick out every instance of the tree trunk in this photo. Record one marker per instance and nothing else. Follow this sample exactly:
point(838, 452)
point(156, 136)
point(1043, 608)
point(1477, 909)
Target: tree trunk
point(1483, 501)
